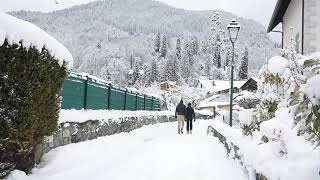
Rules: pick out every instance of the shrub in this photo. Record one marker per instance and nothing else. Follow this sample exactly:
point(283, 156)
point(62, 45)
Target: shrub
point(30, 83)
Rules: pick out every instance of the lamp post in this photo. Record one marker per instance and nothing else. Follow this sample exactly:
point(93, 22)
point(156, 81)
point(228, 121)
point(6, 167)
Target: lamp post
point(233, 29)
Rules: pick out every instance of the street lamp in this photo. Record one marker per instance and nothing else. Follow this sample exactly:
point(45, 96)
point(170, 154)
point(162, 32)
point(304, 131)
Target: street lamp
point(233, 29)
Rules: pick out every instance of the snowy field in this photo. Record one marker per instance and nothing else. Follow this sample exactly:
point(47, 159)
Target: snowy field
point(154, 152)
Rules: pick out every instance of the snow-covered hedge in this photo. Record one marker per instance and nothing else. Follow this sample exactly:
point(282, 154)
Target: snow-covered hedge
point(30, 82)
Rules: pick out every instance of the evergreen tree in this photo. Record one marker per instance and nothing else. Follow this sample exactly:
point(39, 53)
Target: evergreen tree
point(175, 68)
point(194, 45)
point(166, 74)
point(243, 71)
point(163, 49)
point(154, 75)
point(171, 71)
point(217, 52)
point(185, 67)
point(157, 43)
point(207, 67)
point(178, 49)
point(228, 59)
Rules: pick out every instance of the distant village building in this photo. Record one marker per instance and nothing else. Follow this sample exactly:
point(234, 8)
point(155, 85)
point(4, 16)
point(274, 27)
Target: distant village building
point(167, 86)
point(251, 85)
point(220, 100)
point(300, 24)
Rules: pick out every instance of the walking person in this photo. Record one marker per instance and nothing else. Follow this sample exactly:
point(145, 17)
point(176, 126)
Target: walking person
point(180, 116)
point(190, 115)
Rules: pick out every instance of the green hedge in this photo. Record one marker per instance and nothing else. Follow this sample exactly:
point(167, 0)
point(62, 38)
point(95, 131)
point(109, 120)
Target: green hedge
point(30, 83)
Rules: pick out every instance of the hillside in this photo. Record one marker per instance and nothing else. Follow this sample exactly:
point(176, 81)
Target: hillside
point(106, 36)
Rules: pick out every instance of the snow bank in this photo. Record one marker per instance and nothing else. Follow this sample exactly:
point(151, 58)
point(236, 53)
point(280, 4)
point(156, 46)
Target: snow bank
point(312, 89)
point(301, 161)
point(85, 115)
point(277, 65)
point(16, 30)
point(245, 117)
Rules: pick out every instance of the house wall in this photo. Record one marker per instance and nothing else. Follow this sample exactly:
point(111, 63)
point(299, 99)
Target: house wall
point(293, 18)
point(312, 26)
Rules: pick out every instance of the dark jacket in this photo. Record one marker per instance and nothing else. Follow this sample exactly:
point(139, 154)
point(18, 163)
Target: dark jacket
point(190, 113)
point(180, 109)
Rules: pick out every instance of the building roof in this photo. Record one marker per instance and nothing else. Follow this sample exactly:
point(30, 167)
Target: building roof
point(278, 13)
point(219, 85)
point(216, 100)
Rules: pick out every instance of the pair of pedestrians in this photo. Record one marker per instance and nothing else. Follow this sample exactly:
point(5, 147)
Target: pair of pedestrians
point(183, 114)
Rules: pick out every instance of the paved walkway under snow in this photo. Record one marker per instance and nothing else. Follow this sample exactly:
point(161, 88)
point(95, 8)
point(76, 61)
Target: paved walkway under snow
point(151, 153)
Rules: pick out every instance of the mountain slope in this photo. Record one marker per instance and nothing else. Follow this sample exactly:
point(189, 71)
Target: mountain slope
point(104, 35)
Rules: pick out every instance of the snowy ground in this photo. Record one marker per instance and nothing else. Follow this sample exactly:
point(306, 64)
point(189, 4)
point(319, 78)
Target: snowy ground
point(102, 115)
point(151, 152)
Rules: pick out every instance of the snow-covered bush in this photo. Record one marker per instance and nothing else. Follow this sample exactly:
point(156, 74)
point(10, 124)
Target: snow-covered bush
point(293, 83)
point(29, 104)
point(31, 78)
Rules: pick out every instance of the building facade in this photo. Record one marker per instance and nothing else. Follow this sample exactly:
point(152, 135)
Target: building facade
point(300, 24)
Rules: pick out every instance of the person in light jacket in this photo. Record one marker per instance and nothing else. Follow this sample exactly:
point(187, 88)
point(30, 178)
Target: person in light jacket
point(180, 116)
point(190, 115)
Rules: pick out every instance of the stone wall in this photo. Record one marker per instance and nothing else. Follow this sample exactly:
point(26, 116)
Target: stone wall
point(233, 152)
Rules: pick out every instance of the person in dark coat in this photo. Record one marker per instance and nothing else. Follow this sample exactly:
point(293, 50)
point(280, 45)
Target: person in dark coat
point(180, 116)
point(190, 115)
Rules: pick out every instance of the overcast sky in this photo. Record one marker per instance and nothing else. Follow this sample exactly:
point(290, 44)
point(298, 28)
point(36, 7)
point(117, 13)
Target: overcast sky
point(259, 10)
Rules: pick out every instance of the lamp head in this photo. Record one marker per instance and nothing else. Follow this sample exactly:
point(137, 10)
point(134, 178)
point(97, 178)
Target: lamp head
point(233, 29)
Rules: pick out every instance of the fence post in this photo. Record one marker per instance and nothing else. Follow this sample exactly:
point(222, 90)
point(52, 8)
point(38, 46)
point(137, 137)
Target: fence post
point(125, 99)
point(85, 93)
point(144, 102)
point(109, 93)
point(152, 104)
point(136, 104)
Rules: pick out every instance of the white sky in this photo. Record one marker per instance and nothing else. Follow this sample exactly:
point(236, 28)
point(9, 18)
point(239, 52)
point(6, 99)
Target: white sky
point(259, 10)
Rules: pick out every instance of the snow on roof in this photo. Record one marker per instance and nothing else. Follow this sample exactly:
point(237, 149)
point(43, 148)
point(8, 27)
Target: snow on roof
point(16, 30)
point(216, 100)
point(213, 104)
point(219, 85)
point(169, 82)
point(245, 95)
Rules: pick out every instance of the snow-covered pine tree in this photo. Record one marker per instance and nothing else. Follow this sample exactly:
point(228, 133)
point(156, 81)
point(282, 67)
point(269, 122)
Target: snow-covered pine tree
point(175, 68)
point(163, 49)
point(154, 75)
point(217, 52)
point(171, 70)
point(228, 58)
point(243, 71)
point(185, 67)
point(194, 45)
point(166, 74)
point(157, 43)
point(207, 67)
point(178, 49)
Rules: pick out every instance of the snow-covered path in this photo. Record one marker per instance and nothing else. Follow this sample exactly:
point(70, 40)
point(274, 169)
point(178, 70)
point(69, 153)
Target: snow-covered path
point(154, 152)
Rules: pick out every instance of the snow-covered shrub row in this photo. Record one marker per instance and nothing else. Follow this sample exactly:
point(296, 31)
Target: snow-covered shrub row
point(290, 82)
point(30, 82)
